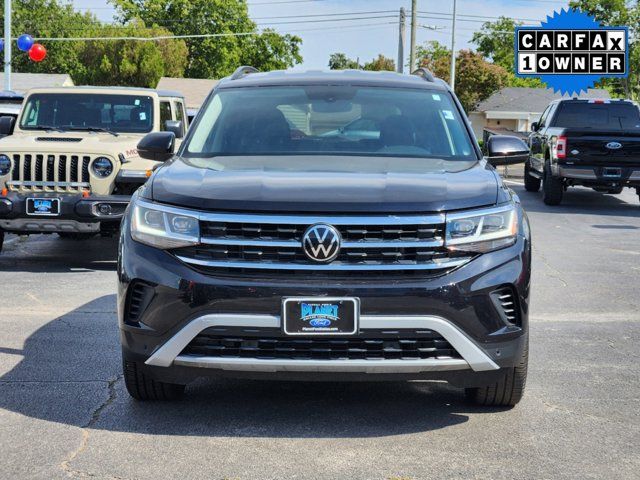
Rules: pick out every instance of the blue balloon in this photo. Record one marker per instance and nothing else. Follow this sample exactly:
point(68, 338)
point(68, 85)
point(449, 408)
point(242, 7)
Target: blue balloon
point(25, 42)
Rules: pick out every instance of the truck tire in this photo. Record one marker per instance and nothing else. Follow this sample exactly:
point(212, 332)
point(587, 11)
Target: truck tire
point(531, 184)
point(1, 240)
point(143, 388)
point(507, 391)
point(552, 188)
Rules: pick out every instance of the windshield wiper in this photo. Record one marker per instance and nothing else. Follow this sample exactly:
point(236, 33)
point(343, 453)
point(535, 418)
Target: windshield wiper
point(93, 129)
point(46, 128)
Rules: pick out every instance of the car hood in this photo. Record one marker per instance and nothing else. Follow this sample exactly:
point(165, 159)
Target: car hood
point(324, 184)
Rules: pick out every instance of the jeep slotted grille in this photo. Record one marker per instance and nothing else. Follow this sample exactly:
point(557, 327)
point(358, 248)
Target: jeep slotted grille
point(40, 172)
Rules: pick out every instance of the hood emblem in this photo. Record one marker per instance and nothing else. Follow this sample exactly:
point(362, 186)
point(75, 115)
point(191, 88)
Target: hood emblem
point(613, 146)
point(321, 243)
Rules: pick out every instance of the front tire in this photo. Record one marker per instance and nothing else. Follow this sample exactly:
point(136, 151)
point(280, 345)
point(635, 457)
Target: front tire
point(143, 388)
point(507, 391)
point(552, 188)
point(531, 184)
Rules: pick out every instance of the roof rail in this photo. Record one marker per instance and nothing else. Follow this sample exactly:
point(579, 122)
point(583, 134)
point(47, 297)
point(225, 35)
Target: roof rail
point(424, 73)
point(242, 71)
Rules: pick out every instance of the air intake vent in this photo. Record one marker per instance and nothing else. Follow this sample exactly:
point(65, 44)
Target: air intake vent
point(507, 304)
point(58, 139)
point(140, 295)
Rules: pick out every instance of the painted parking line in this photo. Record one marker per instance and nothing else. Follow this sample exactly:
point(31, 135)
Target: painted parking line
point(513, 182)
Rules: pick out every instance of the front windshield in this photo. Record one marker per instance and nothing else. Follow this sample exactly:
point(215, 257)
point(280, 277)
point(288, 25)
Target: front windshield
point(331, 120)
point(85, 111)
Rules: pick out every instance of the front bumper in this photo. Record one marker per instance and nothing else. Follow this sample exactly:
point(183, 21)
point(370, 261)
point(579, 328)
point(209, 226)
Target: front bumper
point(77, 213)
point(181, 302)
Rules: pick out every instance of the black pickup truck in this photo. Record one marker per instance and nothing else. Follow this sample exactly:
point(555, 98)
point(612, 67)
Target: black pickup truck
point(594, 143)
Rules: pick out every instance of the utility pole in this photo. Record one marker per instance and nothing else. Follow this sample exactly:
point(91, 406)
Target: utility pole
point(452, 83)
point(414, 26)
point(401, 40)
point(7, 44)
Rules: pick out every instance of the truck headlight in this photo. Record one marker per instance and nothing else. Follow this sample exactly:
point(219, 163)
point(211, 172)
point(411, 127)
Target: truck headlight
point(102, 167)
point(163, 227)
point(482, 230)
point(5, 165)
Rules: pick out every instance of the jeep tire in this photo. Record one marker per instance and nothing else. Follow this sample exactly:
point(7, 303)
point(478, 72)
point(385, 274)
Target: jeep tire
point(531, 183)
point(552, 188)
point(507, 391)
point(143, 388)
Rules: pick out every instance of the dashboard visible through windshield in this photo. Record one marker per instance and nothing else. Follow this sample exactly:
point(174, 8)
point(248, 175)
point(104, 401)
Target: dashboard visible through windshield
point(331, 120)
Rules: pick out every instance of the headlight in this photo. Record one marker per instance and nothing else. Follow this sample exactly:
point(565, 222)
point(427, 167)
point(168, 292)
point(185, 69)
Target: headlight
point(482, 230)
point(102, 167)
point(5, 165)
point(164, 227)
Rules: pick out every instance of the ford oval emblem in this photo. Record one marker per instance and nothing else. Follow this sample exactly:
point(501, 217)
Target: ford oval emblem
point(320, 322)
point(613, 145)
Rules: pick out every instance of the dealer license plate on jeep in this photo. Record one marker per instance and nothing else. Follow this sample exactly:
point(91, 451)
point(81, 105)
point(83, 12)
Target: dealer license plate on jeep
point(43, 206)
point(320, 316)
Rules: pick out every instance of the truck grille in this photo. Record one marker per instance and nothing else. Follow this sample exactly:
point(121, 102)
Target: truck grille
point(382, 243)
point(370, 344)
point(41, 172)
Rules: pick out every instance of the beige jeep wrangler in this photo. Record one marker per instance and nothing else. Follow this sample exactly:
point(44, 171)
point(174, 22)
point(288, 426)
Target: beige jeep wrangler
point(72, 163)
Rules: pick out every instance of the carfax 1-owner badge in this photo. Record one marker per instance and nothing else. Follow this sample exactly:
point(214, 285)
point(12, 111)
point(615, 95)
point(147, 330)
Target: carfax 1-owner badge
point(571, 51)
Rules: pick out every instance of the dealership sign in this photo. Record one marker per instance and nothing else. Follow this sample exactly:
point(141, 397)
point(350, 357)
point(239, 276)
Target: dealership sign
point(571, 51)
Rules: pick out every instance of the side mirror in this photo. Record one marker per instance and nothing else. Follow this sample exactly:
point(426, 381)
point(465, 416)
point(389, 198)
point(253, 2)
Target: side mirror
point(506, 150)
point(174, 126)
point(158, 146)
point(534, 127)
point(6, 125)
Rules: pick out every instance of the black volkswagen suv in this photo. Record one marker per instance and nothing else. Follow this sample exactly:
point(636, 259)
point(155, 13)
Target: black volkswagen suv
point(275, 243)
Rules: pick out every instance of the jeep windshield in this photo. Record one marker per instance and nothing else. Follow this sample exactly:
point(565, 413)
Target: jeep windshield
point(331, 121)
point(90, 112)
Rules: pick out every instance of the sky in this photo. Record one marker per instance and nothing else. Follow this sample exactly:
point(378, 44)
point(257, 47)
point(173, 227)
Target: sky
point(365, 35)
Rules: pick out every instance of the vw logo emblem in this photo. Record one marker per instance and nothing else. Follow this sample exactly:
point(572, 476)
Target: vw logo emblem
point(321, 243)
point(613, 145)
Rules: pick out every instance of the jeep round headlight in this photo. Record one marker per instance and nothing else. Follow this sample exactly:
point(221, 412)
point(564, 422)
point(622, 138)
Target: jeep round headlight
point(102, 167)
point(5, 165)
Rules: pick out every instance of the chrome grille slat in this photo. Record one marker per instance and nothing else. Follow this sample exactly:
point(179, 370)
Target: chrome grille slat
point(48, 172)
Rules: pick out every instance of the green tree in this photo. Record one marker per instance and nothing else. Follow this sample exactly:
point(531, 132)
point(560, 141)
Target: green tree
point(381, 63)
point(432, 52)
point(215, 57)
point(339, 61)
point(476, 79)
point(495, 42)
point(619, 13)
point(131, 62)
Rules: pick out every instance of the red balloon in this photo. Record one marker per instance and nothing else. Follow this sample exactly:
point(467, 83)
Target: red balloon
point(37, 52)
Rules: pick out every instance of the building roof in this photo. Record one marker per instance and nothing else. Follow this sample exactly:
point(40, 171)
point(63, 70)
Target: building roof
point(22, 82)
point(195, 90)
point(525, 99)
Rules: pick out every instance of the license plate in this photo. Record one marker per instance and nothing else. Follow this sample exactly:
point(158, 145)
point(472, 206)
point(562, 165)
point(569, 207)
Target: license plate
point(611, 172)
point(43, 206)
point(320, 316)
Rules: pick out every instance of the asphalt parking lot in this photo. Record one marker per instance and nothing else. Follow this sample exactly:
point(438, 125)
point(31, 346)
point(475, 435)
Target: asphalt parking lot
point(64, 411)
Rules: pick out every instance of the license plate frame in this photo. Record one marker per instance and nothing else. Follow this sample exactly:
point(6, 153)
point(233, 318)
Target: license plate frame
point(43, 206)
point(612, 172)
point(343, 320)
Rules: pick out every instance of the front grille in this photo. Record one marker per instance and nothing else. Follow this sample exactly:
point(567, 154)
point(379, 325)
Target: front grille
point(368, 243)
point(368, 345)
point(50, 173)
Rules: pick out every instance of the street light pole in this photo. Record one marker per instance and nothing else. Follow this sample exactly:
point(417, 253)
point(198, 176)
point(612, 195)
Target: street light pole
point(401, 40)
point(414, 22)
point(452, 75)
point(7, 44)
